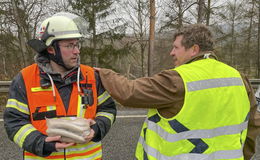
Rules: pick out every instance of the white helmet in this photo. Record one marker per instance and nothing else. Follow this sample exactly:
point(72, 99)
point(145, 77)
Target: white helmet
point(62, 25)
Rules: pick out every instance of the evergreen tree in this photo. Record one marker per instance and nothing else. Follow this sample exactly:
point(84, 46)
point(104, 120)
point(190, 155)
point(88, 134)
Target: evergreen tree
point(105, 31)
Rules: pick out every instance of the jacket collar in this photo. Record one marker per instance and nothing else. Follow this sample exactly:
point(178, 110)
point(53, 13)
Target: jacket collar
point(45, 68)
point(202, 55)
point(44, 63)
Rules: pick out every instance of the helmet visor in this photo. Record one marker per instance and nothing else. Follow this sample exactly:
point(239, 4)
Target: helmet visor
point(80, 22)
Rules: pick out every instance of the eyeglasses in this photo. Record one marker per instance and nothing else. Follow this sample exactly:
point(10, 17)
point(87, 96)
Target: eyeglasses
point(71, 46)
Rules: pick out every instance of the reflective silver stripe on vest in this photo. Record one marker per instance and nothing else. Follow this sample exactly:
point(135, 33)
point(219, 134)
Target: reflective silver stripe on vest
point(88, 147)
point(13, 103)
point(64, 32)
point(230, 154)
point(92, 157)
point(202, 133)
point(103, 97)
point(107, 115)
point(88, 158)
point(214, 83)
point(22, 133)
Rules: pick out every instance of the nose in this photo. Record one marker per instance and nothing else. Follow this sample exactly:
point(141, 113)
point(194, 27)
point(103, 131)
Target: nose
point(76, 50)
point(172, 52)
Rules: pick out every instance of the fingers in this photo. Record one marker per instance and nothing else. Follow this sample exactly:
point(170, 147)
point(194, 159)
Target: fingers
point(53, 139)
point(97, 69)
point(58, 144)
point(91, 122)
point(62, 145)
point(89, 137)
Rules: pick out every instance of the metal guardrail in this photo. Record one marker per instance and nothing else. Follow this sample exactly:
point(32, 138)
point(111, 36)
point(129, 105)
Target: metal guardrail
point(255, 83)
point(4, 85)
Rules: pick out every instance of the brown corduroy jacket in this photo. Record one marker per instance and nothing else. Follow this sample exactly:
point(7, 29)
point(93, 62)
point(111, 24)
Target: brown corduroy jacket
point(165, 92)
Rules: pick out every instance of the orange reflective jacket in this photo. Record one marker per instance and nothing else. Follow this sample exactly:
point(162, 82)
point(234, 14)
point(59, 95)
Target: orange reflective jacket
point(44, 103)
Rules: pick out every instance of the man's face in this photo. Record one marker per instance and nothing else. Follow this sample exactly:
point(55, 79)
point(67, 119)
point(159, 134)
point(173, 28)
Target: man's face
point(70, 51)
point(179, 53)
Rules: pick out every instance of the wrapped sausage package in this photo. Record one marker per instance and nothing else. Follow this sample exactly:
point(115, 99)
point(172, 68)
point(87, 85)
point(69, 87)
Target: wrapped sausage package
point(70, 130)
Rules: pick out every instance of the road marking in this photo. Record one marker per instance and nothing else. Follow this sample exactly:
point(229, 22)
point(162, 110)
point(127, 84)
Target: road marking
point(126, 116)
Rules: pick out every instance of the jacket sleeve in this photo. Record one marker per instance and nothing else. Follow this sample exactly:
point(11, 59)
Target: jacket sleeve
point(106, 112)
point(162, 90)
point(253, 123)
point(17, 121)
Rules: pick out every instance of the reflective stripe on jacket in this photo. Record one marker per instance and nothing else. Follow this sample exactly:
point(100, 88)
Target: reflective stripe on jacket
point(43, 104)
point(212, 123)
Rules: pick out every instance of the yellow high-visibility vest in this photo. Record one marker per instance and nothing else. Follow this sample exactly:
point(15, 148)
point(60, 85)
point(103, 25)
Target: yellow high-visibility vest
point(212, 123)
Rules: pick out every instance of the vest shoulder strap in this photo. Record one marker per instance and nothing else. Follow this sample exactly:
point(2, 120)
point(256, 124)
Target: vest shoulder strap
point(27, 71)
point(88, 73)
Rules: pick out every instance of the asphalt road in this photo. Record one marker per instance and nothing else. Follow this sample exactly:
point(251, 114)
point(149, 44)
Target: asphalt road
point(119, 143)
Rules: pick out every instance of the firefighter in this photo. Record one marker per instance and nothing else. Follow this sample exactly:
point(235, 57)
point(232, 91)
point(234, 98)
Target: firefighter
point(58, 86)
point(198, 110)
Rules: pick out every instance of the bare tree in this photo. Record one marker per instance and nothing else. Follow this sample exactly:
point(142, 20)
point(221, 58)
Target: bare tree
point(201, 11)
point(137, 18)
point(208, 12)
point(151, 37)
point(258, 42)
point(60, 6)
point(230, 17)
point(248, 47)
point(22, 30)
point(20, 19)
point(233, 38)
point(204, 11)
point(174, 13)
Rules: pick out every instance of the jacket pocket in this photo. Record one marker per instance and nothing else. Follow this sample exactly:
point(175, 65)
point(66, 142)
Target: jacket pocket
point(43, 112)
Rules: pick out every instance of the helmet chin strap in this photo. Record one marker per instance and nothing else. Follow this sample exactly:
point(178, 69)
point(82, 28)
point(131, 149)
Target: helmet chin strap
point(57, 58)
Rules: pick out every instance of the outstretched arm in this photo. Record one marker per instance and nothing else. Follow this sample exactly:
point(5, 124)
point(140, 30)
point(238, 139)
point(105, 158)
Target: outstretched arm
point(162, 90)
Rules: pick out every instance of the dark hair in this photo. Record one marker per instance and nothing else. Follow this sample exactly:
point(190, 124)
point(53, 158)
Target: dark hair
point(196, 34)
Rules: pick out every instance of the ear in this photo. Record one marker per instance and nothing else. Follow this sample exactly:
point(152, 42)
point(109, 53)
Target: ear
point(195, 50)
point(51, 50)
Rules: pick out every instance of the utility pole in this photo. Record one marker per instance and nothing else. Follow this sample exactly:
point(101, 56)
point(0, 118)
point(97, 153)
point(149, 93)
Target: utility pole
point(151, 37)
point(258, 42)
